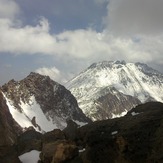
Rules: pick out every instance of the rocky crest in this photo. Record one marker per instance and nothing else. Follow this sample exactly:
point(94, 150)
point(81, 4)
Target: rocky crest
point(41, 103)
point(104, 88)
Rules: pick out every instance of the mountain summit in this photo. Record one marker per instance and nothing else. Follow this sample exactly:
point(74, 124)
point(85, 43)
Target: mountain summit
point(42, 103)
point(109, 89)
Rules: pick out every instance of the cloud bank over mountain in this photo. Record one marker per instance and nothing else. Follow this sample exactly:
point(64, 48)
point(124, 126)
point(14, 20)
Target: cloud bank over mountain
point(132, 31)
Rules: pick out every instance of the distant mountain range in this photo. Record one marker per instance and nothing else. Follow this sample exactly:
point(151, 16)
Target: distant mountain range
point(104, 90)
point(109, 89)
point(38, 115)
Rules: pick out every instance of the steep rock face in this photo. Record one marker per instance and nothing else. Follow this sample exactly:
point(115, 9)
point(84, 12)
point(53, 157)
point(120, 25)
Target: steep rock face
point(113, 104)
point(42, 103)
point(103, 88)
point(9, 131)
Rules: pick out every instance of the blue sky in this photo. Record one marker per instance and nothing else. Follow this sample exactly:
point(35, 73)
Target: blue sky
point(60, 38)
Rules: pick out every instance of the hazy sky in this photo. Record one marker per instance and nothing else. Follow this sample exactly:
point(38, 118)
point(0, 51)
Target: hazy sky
point(60, 38)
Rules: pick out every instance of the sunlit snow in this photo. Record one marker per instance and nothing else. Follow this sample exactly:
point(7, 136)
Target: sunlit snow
point(127, 78)
point(32, 109)
point(19, 117)
point(30, 157)
point(134, 114)
point(114, 133)
point(81, 150)
point(119, 115)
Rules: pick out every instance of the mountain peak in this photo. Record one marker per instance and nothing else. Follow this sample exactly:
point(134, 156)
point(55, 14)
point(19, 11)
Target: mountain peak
point(41, 103)
point(93, 87)
point(35, 76)
point(107, 64)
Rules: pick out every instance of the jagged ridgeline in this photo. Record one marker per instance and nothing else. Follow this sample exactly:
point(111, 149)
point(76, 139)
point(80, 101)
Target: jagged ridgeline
point(109, 89)
point(42, 103)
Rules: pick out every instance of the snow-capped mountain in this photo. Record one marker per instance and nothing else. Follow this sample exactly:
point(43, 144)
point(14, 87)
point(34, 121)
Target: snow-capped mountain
point(108, 89)
point(42, 103)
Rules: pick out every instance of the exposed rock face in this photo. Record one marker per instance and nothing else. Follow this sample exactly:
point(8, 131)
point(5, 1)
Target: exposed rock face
point(113, 104)
point(53, 136)
point(41, 102)
point(9, 130)
point(104, 88)
point(9, 154)
point(134, 138)
point(71, 130)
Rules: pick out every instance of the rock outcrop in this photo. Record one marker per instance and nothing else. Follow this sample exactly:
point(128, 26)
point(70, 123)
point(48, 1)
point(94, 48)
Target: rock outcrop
point(9, 130)
point(59, 151)
point(29, 140)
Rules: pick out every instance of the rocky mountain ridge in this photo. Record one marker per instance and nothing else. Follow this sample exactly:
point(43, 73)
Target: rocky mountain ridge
point(42, 103)
point(104, 88)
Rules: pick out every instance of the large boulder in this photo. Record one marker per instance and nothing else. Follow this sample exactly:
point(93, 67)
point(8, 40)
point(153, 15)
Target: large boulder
point(29, 140)
point(58, 151)
point(71, 130)
point(53, 136)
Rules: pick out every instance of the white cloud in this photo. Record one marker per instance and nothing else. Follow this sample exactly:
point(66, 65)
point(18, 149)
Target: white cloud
point(80, 44)
point(125, 17)
point(8, 9)
point(53, 73)
point(27, 39)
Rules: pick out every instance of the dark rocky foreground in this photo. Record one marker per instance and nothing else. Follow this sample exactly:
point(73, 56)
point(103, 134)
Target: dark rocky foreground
point(135, 138)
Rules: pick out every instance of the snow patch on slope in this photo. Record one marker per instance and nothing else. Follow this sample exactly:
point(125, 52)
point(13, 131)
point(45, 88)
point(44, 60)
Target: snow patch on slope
point(32, 109)
point(19, 117)
point(119, 115)
point(30, 157)
point(29, 111)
